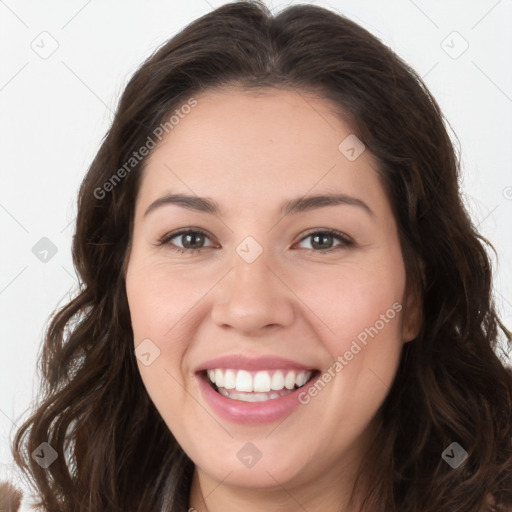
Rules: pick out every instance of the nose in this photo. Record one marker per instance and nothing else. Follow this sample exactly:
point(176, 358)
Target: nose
point(253, 299)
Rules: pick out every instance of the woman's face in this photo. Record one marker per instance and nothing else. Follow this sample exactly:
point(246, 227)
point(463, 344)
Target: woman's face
point(272, 298)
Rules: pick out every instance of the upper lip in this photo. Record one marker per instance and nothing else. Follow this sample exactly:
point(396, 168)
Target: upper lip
point(240, 362)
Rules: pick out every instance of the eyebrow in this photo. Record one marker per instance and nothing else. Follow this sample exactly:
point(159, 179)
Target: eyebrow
point(290, 207)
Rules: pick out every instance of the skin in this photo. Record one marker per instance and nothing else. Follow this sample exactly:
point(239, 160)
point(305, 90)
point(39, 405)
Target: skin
point(250, 152)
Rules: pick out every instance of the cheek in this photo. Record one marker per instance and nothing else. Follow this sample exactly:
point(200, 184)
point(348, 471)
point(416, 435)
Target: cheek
point(349, 300)
point(358, 311)
point(159, 302)
point(165, 308)
point(365, 349)
point(159, 299)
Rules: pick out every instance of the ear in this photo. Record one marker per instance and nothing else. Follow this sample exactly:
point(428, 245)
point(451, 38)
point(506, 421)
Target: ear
point(412, 319)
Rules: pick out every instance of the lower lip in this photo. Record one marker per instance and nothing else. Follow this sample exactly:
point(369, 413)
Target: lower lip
point(251, 413)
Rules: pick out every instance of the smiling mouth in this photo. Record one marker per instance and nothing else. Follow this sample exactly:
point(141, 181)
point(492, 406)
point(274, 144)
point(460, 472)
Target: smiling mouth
point(258, 386)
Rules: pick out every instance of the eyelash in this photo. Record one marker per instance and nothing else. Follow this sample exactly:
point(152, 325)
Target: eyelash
point(345, 241)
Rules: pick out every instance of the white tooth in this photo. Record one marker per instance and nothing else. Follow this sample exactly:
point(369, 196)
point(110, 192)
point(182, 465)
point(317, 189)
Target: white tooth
point(243, 381)
point(277, 382)
point(219, 378)
point(222, 391)
point(252, 397)
point(229, 379)
point(255, 397)
point(302, 378)
point(261, 382)
point(289, 382)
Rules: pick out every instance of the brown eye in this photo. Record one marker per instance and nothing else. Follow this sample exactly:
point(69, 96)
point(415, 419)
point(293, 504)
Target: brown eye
point(190, 240)
point(323, 241)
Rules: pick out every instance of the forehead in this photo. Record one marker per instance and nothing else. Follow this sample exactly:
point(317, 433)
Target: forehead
point(251, 148)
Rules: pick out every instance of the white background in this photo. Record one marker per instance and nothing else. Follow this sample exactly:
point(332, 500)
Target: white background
point(54, 112)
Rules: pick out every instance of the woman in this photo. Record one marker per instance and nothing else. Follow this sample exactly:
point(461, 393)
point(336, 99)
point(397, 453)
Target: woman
point(284, 305)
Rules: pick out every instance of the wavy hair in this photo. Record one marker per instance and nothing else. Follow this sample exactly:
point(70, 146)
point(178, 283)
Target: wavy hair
point(114, 450)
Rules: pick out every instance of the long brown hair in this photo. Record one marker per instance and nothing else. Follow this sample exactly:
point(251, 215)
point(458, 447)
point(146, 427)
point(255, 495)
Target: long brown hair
point(114, 450)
